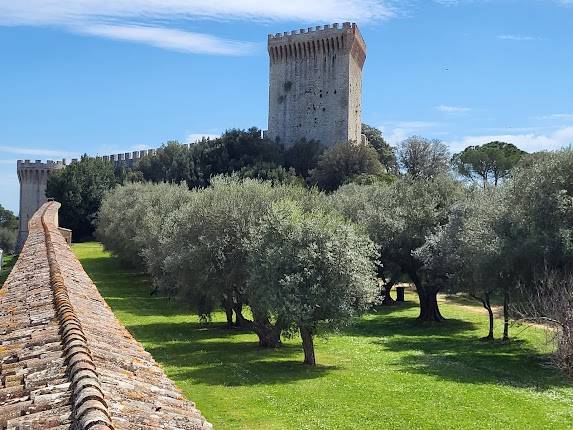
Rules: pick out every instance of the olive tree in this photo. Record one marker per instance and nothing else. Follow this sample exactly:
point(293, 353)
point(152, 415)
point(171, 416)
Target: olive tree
point(398, 218)
point(538, 231)
point(467, 254)
point(310, 267)
point(132, 216)
point(204, 252)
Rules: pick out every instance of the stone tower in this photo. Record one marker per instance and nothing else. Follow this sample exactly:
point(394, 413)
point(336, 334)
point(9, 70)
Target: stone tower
point(316, 84)
point(33, 181)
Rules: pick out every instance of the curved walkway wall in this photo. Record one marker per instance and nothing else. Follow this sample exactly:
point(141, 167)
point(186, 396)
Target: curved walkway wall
point(66, 362)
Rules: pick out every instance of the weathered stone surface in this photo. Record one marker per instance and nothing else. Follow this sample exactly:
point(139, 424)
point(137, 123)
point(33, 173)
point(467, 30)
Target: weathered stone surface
point(316, 84)
point(65, 361)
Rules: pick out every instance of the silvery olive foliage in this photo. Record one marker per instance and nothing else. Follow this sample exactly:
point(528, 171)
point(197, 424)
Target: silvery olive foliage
point(307, 267)
point(539, 198)
point(539, 237)
point(398, 218)
point(467, 254)
point(132, 217)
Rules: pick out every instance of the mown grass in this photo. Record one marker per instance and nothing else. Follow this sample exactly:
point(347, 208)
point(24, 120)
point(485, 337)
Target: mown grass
point(7, 264)
point(384, 372)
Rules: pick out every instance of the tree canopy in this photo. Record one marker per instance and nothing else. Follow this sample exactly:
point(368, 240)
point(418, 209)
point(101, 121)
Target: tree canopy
point(80, 188)
point(343, 162)
point(386, 153)
point(398, 218)
point(423, 158)
point(310, 267)
point(8, 230)
point(487, 163)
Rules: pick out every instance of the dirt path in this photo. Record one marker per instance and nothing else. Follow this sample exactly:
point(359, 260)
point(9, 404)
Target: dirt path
point(471, 305)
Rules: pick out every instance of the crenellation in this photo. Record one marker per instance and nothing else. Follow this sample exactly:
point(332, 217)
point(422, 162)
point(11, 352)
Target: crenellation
point(316, 84)
point(33, 178)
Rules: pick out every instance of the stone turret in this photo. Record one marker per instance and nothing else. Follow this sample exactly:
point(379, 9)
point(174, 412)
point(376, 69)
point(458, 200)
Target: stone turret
point(33, 178)
point(316, 84)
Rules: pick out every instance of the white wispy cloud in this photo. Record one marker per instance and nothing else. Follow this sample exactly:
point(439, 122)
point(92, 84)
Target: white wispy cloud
point(517, 37)
point(167, 38)
point(558, 116)
point(18, 150)
point(452, 109)
point(529, 142)
point(72, 11)
point(396, 131)
point(138, 20)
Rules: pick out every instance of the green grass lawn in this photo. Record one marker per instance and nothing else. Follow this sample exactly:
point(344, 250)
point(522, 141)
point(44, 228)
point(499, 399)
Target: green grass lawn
point(384, 372)
point(8, 263)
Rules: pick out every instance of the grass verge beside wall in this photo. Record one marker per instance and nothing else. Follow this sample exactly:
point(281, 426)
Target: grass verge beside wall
point(385, 372)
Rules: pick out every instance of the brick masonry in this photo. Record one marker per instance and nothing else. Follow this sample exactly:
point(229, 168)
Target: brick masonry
point(66, 362)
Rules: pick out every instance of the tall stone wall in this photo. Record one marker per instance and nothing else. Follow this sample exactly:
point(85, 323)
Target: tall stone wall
point(316, 84)
point(66, 362)
point(33, 177)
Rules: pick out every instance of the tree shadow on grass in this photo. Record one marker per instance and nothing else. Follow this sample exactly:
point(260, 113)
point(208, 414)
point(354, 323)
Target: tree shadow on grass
point(452, 350)
point(381, 324)
point(475, 361)
point(213, 355)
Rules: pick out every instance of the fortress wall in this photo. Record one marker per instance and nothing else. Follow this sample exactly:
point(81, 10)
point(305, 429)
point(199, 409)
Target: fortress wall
point(316, 84)
point(33, 177)
point(65, 360)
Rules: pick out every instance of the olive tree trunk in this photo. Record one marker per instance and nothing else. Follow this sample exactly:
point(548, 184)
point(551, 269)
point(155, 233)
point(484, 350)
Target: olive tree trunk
point(307, 346)
point(388, 300)
point(239, 318)
point(428, 295)
point(506, 313)
point(269, 335)
point(486, 303)
point(228, 304)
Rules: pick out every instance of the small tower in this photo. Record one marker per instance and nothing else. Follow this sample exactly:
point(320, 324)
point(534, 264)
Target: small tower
point(316, 84)
point(33, 181)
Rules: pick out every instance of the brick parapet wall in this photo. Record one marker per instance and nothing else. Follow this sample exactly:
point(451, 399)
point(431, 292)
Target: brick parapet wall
point(66, 362)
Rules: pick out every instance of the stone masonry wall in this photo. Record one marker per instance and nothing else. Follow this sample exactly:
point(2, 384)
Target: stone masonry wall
point(65, 361)
point(316, 84)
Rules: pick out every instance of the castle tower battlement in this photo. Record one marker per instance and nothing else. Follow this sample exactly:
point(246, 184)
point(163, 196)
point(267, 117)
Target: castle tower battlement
point(316, 84)
point(33, 177)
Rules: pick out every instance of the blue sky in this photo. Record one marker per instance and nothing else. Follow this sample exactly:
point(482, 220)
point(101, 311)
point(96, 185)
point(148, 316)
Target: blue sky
point(103, 76)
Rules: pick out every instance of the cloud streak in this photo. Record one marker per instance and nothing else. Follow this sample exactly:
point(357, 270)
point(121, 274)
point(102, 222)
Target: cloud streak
point(176, 40)
point(452, 109)
point(517, 37)
point(72, 11)
point(35, 152)
point(529, 142)
point(137, 20)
